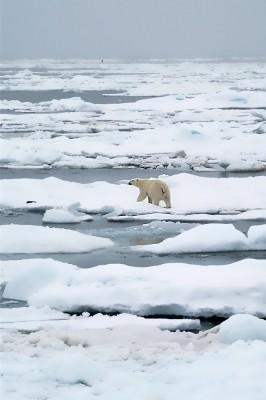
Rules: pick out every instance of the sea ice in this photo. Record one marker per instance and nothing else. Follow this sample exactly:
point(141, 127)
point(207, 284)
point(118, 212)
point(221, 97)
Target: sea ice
point(242, 327)
point(211, 238)
point(31, 318)
point(132, 361)
point(12, 317)
point(39, 239)
point(168, 289)
point(257, 237)
point(203, 238)
point(69, 215)
point(190, 195)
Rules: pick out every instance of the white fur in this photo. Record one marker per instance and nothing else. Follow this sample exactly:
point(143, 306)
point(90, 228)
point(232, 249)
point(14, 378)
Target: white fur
point(155, 189)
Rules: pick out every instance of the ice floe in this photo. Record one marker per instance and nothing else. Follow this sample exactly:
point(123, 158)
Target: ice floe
point(168, 289)
point(62, 105)
point(129, 361)
point(69, 215)
point(190, 195)
point(180, 77)
point(10, 317)
point(31, 318)
point(252, 215)
point(183, 147)
point(211, 238)
point(39, 239)
point(203, 238)
point(205, 123)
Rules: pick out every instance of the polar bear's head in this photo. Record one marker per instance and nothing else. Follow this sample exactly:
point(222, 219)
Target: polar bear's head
point(134, 182)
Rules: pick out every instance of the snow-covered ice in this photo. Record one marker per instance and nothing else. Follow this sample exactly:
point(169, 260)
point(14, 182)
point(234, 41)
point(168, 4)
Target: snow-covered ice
point(39, 239)
point(209, 114)
point(190, 195)
point(135, 361)
point(203, 238)
point(179, 77)
point(49, 270)
point(257, 237)
point(31, 318)
point(60, 215)
point(233, 216)
point(13, 317)
point(173, 289)
point(211, 238)
point(62, 105)
point(182, 148)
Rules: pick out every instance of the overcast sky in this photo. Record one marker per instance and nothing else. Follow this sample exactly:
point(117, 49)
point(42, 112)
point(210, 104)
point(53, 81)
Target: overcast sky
point(132, 28)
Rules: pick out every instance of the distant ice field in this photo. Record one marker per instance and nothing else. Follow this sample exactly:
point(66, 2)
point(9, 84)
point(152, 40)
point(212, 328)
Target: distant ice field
point(181, 115)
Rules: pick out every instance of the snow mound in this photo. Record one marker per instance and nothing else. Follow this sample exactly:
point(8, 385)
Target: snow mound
point(203, 238)
point(242, 327)
point(60, 215)
point(39, 239)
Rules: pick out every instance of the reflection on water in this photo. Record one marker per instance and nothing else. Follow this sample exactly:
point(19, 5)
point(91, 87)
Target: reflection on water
point(145, 241)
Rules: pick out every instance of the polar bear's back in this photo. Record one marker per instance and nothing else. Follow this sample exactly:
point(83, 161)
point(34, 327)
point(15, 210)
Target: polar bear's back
point(158, 184)
point(154, 187)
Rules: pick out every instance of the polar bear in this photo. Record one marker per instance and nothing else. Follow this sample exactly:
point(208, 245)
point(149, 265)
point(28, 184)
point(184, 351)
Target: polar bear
point(155, 189)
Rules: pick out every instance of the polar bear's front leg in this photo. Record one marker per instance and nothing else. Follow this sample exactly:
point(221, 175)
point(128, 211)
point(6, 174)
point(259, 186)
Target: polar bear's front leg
point(167, 203)
point(142, 196)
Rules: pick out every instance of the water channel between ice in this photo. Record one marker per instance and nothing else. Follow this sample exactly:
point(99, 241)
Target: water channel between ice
point(124, 234)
